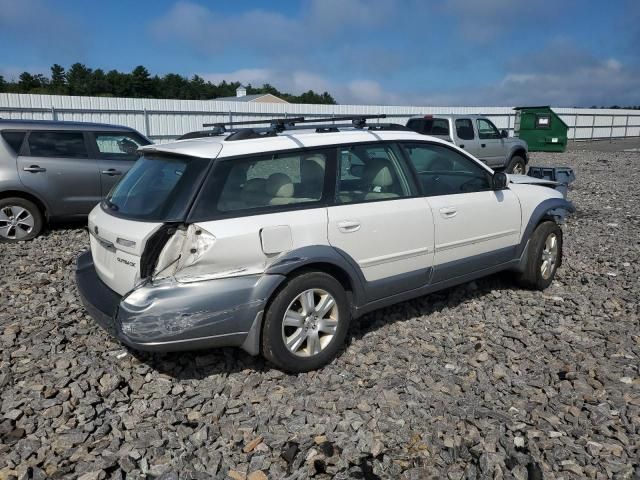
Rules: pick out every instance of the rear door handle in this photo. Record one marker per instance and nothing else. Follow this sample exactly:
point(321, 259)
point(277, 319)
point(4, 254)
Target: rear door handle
point(111, 172)
point(483, 145)
point(448, 212)
point(34, 169)
point(462, 145)
point(349, 226)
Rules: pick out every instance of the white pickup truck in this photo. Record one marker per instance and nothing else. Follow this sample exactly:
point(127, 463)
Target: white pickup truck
point(478, 136)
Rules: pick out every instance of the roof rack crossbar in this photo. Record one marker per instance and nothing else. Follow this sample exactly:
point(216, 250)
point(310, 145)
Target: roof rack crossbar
point(279, 125)
point(357, 123)
point(291, 121)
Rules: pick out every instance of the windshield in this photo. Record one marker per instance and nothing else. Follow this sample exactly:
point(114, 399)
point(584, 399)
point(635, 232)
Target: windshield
point(157, 188)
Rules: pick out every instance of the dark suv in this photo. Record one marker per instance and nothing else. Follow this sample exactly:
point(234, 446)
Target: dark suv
point(58, 170)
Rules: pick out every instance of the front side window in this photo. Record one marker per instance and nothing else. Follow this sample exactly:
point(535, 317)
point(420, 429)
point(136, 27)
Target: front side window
point(157, 188)
point(118, 145)
point(443, 171)
point(487, 130)
point(464, 129)
point(370, 172)
point(57, 144)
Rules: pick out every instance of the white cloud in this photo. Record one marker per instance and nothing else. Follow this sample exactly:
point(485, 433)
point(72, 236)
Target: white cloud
point(47, 31)
point(296, 82)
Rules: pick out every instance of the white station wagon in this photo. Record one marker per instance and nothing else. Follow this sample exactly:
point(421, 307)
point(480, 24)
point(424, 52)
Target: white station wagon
point(273, 239)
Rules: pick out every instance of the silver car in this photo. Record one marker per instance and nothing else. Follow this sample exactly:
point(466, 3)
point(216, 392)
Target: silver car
point(479, 136)
point(58, 170)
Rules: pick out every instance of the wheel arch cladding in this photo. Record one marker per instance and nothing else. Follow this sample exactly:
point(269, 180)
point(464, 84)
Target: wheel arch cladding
point(319, 258)
point(326, 259)
point(42, 206)
point(554, 209)
point(519, 151)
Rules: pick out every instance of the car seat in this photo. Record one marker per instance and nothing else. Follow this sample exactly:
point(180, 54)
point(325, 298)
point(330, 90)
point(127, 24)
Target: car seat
point(280, 189)
point(379, 177)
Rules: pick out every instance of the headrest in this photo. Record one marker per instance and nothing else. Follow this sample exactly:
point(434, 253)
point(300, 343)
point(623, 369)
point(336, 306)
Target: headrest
point(377, 172)
point(279, 185)
point(313, 168)
point(255, 185)
point(237, 175)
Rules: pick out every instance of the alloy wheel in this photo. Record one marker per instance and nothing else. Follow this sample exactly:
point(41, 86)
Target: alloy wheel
point(518, 169)
point(16, 222)
point(310, 322)
point(549, 256)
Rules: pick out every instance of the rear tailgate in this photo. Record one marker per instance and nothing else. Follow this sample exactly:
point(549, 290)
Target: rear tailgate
point(116, 246)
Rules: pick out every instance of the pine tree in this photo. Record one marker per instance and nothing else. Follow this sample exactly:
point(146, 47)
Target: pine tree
point(58, 81)
point(79, 80)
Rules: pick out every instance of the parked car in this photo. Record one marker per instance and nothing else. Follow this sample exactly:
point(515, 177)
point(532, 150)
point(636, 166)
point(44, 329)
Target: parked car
point(56, 170)
point(478, 136)
point(273, 243)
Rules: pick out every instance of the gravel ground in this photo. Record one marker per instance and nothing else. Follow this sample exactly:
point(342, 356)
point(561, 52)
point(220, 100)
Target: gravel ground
point(481, 381)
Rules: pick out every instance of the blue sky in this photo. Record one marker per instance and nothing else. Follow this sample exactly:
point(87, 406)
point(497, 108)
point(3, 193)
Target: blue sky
point(422, 52)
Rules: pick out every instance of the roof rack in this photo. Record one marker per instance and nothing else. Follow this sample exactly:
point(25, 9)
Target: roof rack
point(279, 125)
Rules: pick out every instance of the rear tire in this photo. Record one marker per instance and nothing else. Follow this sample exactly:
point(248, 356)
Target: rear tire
point(20, 219)
point(306, 323)
point(517, 165)
point(543, 257)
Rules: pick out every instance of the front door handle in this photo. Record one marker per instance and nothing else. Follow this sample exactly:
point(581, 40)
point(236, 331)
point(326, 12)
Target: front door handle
point(462, 145)
point(483, 145)
point(349, 226)
point(34, 169)
point(448, 212)
point(111, 172)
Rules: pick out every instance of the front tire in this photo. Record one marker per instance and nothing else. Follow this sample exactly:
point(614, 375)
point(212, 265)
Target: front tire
point(306, 323)
point(543, 257)
point(517, 165)
point(20, 219)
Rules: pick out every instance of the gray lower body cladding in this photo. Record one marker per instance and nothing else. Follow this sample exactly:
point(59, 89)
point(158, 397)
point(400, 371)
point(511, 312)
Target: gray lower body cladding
point(173, 316)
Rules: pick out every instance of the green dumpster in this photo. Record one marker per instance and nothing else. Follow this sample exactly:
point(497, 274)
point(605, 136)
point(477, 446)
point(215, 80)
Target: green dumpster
point(541, 128)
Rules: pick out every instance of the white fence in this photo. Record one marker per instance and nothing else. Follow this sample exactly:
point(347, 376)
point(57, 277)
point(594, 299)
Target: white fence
point(163, 120)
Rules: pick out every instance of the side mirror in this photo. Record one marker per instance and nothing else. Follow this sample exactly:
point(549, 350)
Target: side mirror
point(504, 133)
point(499, 181)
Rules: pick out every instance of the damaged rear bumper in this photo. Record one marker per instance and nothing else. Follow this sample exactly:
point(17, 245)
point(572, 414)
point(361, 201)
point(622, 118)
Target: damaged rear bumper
point(172, 316)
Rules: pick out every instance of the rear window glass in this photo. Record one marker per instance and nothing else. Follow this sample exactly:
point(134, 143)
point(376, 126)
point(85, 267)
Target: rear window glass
point(14, 139)
point(57, 144)
point(157, 188)
point(430, 126)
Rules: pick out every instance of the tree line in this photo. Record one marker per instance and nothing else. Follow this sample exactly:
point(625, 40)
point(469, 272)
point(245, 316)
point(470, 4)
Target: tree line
point(82, 80)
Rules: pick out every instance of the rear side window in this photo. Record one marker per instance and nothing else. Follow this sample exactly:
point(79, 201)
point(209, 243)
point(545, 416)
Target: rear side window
point(260, 183)
point(268, 181)
point(57, 144)
point(464, 129)
point(429, 126)
point(14, 139)
point(118, 146)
